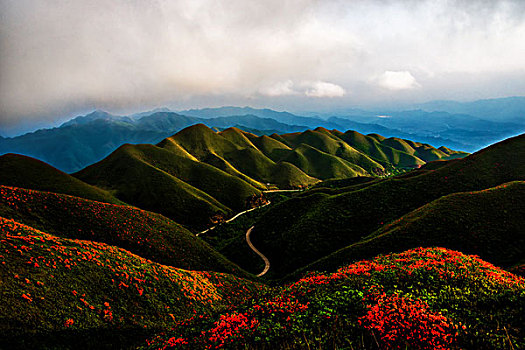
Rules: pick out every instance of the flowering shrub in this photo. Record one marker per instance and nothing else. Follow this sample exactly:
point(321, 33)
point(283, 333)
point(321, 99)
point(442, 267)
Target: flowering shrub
point(51, 281)
point(145, 233)
point(424, 298)
point(401, 322)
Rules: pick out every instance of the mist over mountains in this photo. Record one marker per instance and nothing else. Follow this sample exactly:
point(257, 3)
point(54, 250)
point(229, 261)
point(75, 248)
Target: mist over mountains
point(87, 139)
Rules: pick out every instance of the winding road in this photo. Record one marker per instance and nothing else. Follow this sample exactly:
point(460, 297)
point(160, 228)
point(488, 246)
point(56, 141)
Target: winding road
point(233, 218)
point(273, 191)
point(266, 261)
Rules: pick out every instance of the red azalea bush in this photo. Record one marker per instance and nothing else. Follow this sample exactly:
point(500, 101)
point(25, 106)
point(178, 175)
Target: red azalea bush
point(400, 323)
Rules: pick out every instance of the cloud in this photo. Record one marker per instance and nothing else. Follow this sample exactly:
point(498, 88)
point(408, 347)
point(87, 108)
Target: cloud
point(324, 89)
point(305, 88)
point(282, 88)
point(60, 57)
point(397, 80)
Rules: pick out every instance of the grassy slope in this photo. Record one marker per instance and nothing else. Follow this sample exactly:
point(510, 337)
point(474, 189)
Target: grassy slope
point(21, 171)
point(320, 164)
point(155, 179)
point(237, 153)
point(324, 141)
point(205, 145)
point(318, 153)
point(399, 152)
point(94, 295)
point(293, 238)
point(430, 298)
point(488, 223)
point(144, 233)
point(229, 239)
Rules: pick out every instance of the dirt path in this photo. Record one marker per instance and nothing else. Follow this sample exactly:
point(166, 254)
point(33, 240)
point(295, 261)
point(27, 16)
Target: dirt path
point(233, 218)
point(266, 261)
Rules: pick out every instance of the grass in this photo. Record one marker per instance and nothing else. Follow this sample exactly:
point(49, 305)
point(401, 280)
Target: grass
point(296, 232)
point(63, 291)
point(430, 298)
point(488, 223)
point(27, 172)
point(147, 234)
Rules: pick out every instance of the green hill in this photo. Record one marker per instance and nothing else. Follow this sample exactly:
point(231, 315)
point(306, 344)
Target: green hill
point(147, 234)
point(199, 177)
point(326, 142)
point(26, 172)
point(398, 152)
point(188, 191)
point(322, 165)
point(488, 223)
point(234, 152)
point(430, 298)
point(294, 234)
point(59, 292)
point(314, 154)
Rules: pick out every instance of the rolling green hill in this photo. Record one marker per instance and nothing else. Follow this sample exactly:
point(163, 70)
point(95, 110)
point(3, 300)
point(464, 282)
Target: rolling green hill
point(308, 156)
point(488, 223)
point(147, 234)
point(26, 172)
point(306, 228)
point(59, 292)
point(199, 177)
point(190, 192)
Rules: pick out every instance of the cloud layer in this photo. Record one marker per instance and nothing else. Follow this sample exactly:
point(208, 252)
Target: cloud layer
point(402, 80)
point(59, 57)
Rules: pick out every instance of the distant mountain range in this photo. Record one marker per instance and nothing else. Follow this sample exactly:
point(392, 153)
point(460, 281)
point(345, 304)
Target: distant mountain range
point(87, 139)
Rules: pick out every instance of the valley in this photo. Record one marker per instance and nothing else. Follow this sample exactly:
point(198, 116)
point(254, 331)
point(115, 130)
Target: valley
point(209, 239)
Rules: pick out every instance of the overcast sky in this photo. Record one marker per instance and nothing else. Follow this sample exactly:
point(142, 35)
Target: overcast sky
point(62, 57)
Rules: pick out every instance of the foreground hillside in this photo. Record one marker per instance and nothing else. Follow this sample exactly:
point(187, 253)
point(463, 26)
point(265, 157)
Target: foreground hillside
point(430, 298)
point(150, 235)
point(61, 292)
point(311, 226)
point(26, 172)
point(488, 223)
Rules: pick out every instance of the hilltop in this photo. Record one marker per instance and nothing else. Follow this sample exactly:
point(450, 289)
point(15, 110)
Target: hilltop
point(27, 172)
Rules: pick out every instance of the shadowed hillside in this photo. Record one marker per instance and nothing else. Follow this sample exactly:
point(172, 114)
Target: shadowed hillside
point(488, 223)
point(26, 172)
point(60, 292)
point(150, 235)
point(296, 232)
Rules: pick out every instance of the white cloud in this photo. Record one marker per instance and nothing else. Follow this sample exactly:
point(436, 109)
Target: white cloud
point(323, 89)
point(60, 57)
point(397, 80)
point(282, 88)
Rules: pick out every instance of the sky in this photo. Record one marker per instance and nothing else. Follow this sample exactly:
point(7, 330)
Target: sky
point(61, 58)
